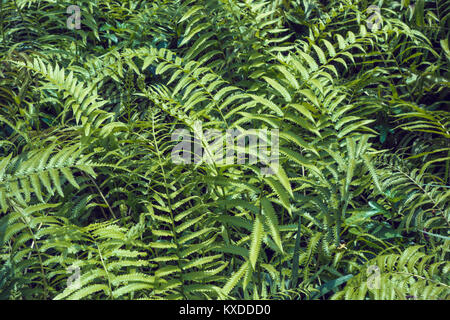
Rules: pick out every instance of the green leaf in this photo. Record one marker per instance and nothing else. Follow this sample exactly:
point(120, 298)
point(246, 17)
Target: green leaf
point(256, 241)
point(86, 291)
point(234, 279)
point(272, 106)
point(330, 285)
point(272, 222)
point(279, 88)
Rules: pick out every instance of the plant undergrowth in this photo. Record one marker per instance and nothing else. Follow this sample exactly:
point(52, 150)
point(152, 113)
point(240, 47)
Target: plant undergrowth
point(358, 207)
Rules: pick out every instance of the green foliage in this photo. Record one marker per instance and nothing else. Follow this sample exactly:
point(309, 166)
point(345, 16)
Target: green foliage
point(87, 119)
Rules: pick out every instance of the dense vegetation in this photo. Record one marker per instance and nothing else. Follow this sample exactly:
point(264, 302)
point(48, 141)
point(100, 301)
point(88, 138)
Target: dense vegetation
point(358, 207)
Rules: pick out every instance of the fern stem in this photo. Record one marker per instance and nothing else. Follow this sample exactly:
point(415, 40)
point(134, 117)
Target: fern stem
point(296, 256)
point(106, 270)
point(426, 193)
point(422, 278)
point(41, 264)
point(169, 204)
point(103, 197)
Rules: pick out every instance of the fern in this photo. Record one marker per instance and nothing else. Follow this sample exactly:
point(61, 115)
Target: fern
point(356, 174)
